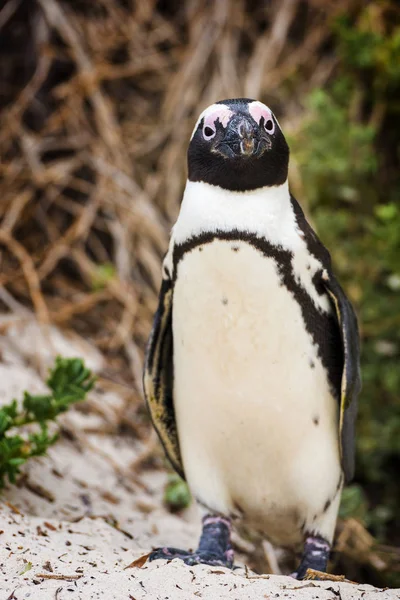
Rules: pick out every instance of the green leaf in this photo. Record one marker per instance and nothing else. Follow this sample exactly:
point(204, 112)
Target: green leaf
point(27, 568)
point(387, 212)
point(176, 494)
point(16, 462)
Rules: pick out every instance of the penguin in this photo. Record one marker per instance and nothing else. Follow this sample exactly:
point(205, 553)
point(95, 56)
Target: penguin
point(252, 367)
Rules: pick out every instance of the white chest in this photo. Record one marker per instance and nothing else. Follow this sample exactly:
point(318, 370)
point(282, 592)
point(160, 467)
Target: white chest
point(252, 400)
point(231, 292)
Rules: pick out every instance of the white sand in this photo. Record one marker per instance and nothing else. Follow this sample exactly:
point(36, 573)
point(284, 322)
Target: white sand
point(85, 514)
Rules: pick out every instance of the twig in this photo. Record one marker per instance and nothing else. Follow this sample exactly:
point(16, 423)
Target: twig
point(30, 274)
point(271, 558)
point(107, 126)
point(59, 577)
point(313, 574)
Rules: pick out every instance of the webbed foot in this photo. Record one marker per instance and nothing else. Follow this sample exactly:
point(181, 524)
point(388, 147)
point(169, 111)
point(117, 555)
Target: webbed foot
point(194, 558)
point(214, 548)
point(315, 557)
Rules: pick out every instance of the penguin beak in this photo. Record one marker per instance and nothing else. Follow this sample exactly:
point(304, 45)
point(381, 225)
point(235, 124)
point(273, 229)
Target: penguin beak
point(246, 137)
point(241, 139)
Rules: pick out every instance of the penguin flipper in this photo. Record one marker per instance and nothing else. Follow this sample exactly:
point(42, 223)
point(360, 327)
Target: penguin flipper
point(159, 375)
point(351, 378)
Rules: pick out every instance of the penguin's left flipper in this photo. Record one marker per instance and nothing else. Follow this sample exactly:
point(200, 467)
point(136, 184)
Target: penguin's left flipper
point(351, 379)
point(159, 376)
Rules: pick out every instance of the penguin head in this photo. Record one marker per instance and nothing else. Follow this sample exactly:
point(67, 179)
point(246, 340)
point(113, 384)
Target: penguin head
point(238, 145)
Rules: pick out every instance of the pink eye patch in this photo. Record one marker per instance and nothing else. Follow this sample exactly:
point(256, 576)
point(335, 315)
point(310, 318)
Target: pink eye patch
point(258, 110)
point(217, 111)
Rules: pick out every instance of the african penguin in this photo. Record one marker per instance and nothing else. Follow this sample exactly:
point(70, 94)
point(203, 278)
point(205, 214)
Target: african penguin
point(252, 367)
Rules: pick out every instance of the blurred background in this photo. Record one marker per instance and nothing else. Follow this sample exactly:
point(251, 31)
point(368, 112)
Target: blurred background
point(98, 100)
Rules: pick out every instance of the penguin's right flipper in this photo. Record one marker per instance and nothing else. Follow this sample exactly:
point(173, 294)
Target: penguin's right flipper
point(351, 378)
point(159, 375)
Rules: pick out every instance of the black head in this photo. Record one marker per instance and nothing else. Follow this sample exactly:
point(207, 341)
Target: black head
point(238, 145)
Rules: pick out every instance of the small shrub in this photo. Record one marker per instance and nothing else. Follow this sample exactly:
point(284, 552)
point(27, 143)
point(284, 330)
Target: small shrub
point(69, 382)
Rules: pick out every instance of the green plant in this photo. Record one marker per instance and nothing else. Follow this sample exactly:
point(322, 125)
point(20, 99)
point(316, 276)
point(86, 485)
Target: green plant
point(69, 382)
point(176, 493)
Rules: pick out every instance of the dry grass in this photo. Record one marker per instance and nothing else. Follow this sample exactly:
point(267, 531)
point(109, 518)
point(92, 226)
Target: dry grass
point(93, 142)
point(97, 110)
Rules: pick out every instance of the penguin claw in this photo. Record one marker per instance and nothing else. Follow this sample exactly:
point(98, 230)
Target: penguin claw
point(194, 558)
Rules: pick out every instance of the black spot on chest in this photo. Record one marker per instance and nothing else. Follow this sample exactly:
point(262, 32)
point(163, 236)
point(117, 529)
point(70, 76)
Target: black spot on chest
point(318, 283)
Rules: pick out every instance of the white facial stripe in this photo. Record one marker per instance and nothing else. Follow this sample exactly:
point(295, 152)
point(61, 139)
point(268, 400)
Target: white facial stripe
point(258, 109)
point(211, 114)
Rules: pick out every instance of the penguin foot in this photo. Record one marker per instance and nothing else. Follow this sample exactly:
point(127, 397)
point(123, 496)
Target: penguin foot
point(315, 558)
point(214, 547)
point(194, 558)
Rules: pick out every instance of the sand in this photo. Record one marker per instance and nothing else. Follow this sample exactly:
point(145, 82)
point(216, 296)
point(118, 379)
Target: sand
point(80, 516)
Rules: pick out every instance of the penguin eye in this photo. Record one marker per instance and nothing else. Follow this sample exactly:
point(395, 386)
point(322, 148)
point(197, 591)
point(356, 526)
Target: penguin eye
point(208, 132)
point(269, 126)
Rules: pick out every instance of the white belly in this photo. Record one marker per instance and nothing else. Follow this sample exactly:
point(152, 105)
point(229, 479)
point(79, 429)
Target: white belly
point(257, 423)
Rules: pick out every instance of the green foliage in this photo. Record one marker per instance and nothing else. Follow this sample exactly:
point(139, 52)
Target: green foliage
point(349, 161)
point(372, 45)
point(354, 503)
point(176, 493)
point(336, 155)
point(69, 382)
